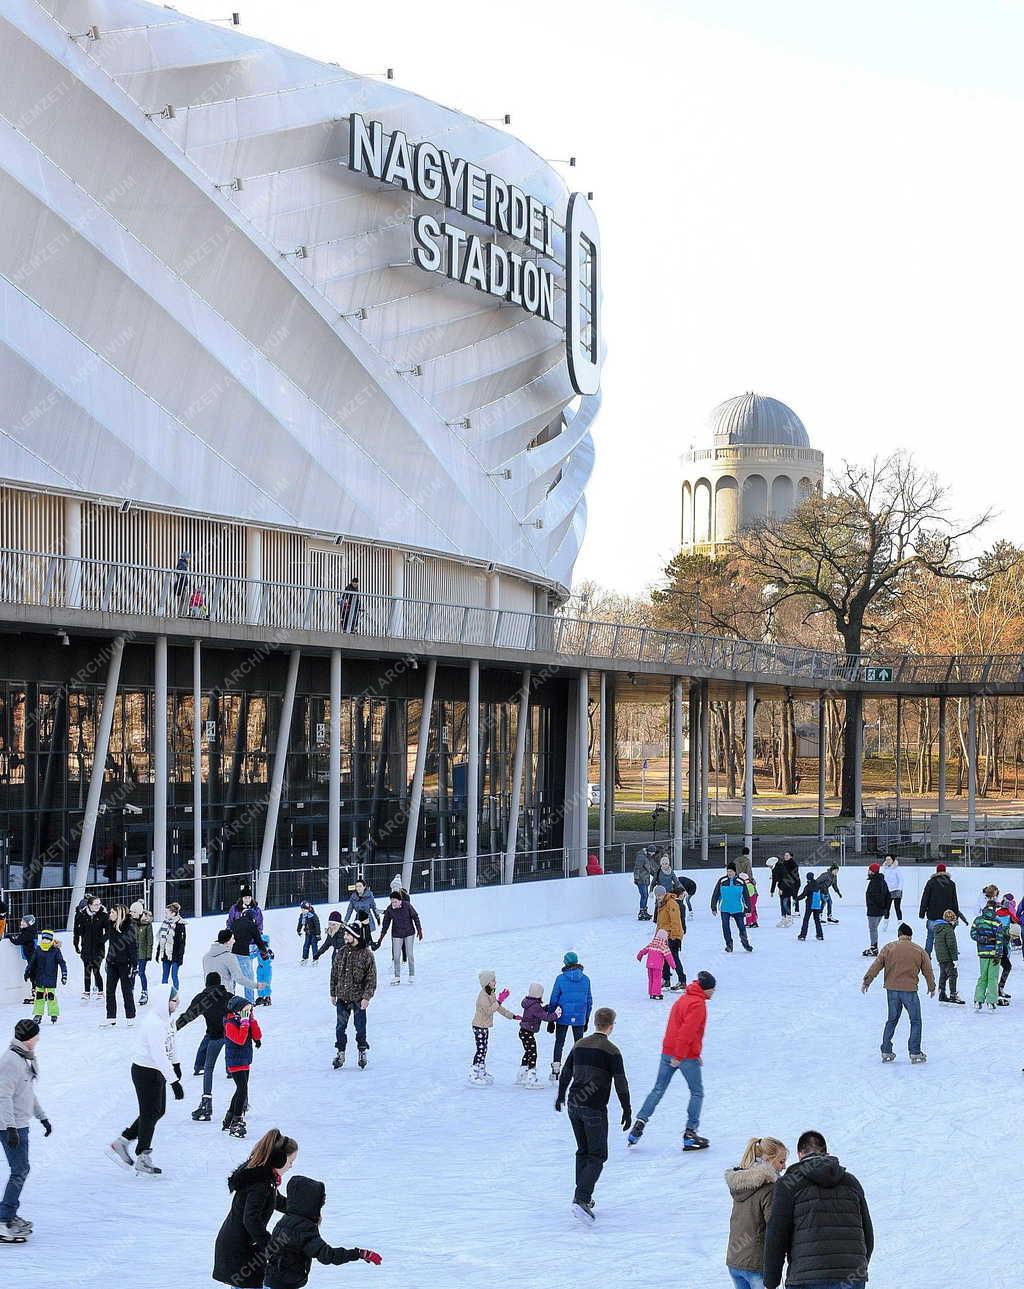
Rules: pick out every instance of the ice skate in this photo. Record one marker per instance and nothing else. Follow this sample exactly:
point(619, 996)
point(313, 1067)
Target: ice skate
point(144, 1166)
point(521, 1076)
point(992, 1007)
point(411, 980)
point(870, 953)
point(556, 1070)
point(656, 998)
point(583, 1213)
point(395, 980)
point(361, 1061)
point(977, 1007)
point(1004, 1001)
point(819, 937)
point(834, 921)
point(130, 1023)
point(748, 948)
point(86, 996)
point(107, 1024)
point(339, 1059)
point(958, 1000)
point(203, 1113)
point(636, 1132)
point(478, 1077)
point(801, 937)
point(532, 1081)
point(143, 998)
point(54, 1020)
point(887, 1057)
point(918, 1058)
point(120, 1152)
point(20, 1225)
point(728, 948)
point(693, 1141)
point(226, 1123)
point(237, 1128)
point(9, 1234)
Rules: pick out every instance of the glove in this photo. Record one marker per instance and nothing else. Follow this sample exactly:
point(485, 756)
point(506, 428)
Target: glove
point(419, 935)
point(503, 995)
point(257, 1042)
point(12, 1138)
point(25, 977)
point(178, 1090)
point(368, 1255)
point(47, 1127)
point(625, 1121)
point(177, 1071)
point(558, 1106)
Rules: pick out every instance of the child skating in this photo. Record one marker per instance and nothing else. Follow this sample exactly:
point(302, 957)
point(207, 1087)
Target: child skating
point(309, 929)
point(263, 965)
point(659, 956)
point(46, 963)
point(751, 885)
point(296, 1240)
point(241, 1034)
point(989, 935)
point(946, 954)
point(534, 1015)
point(488, 1002)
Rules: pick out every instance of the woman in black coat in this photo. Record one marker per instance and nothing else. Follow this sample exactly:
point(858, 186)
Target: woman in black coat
point(239, 1256)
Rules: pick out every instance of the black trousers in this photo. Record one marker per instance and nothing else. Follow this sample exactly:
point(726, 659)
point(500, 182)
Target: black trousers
point(947, 976)
point(151, 1092)
point(240, 1097)
point(808, 914)
point(560, 1031)
point(529, 1042)
point(666, 975)
point(120, 971)
point(896, 902)
point(590, 1128)
point(92, 969)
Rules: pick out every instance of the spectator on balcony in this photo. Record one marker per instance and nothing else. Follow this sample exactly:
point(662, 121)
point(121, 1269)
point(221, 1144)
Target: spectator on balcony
point(180, 580)
point(197, 606)
point(349, 606)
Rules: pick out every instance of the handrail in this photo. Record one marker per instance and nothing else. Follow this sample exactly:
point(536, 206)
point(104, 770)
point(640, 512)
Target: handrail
point(52, 580)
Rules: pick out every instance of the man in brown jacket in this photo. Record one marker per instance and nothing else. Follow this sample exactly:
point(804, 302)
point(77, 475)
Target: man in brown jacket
point(903, 961)
point(353, 983)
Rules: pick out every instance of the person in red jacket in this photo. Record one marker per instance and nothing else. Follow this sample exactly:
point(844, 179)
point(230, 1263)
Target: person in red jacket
point(241, 1034)
point(680, 1050)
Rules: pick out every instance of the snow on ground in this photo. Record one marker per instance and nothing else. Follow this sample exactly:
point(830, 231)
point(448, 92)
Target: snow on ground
point(457, 1186)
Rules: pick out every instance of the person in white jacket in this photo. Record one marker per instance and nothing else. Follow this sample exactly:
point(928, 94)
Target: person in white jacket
point(155, 1066)
point(893, 875)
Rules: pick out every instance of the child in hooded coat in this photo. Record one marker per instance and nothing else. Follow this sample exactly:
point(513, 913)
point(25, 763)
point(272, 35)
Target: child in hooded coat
point(658, 956)
point(487, 1003)
point(43, 967)
point(241, 1034)
point(535, 1014)
point(309, 928)
point(296, 1240)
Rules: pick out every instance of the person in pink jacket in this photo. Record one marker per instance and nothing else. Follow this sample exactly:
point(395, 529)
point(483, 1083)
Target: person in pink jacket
point(658, 955)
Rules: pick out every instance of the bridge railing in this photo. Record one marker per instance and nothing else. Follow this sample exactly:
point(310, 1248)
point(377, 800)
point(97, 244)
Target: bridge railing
point(108, 587)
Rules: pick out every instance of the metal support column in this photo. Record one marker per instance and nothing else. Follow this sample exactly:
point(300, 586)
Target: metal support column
point(858, 782)
point(197, 778)
point(705, 776)
point(822, 765)
point(678, 823)
point(160, 775)
point(602, 770)
point(608, 758)
point(899, 757)
point(582, 748)
point(473, 774)
point(512, 834)
point(972, 769)
point(693, 795)
point(277, 778)
point(942, 752)
point(99, 765)
point(334, 784)
point(412, 824)
point(748, 775)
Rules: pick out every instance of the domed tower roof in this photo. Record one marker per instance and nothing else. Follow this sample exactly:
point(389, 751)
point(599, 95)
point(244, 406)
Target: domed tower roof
point(756, 418)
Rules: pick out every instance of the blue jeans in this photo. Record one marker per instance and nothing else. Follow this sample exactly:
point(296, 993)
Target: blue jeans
point(785, 905)
point(746, 1279)
point(826, 904)
point(213, 1049)
point(898, 1000)
point(727, 930)
point(142, 976)
point(171, 969)
point(17, 1160)
point(835, 1284)
point(345, 1010)
point(690, 1070)
point(245, 969)
point(645, 894)
point(929, 940)
point(310, 944)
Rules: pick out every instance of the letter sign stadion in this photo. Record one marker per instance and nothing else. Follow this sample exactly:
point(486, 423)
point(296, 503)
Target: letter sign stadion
point(441, 247)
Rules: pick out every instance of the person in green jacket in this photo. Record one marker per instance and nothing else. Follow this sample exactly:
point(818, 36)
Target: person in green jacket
point(142, 920)
point(946, 954)
point(989, 935)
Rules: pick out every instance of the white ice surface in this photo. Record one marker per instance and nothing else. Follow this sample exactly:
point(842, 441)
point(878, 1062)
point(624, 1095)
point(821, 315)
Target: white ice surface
point(463, 1187)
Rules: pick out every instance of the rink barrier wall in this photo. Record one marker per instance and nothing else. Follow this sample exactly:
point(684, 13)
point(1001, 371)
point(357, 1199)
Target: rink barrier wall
point(455, 915)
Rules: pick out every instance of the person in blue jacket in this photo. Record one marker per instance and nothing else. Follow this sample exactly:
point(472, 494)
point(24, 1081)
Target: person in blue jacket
point(264, 968)
point(362, 907)
point(571, 992)
point(731, 899)
point(811, 894)
point(46, 963)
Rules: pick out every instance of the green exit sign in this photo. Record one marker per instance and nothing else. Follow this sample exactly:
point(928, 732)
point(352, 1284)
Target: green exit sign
point(878, 675)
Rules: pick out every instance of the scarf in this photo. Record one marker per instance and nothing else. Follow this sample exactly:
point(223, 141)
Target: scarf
point(166, 937)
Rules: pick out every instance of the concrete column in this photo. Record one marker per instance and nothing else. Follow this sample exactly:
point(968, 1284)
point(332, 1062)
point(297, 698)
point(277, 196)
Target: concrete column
point(416, 794)
point(398, 591)
point(334, 784)
point(99, 763)
point(678, 822)
point(473, 774)
point(899, 752)
point(582, 814)
point(73, 550)
point(608, 759)
point(253, 574)
point(602, 769)
point(197, 778)
point(277, 778)
point(705, 748)
point(972, 769)
point(942, 752)
point(159, 775)
point(512, 834)
point(748, 775)
point(693, 794)
point(822, 764)
point(858, 783)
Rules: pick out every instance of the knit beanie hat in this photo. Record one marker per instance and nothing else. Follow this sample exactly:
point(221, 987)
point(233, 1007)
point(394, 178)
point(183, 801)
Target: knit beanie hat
point(706, 980)
point(535, 991)
point(571, 959)
point(874, 868)
point(940, 868)
point(335, 916)
point(659, 892)
point(26, 1029)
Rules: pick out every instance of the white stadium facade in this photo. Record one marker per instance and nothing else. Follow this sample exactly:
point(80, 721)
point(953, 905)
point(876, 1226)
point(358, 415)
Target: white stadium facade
point(268, 326)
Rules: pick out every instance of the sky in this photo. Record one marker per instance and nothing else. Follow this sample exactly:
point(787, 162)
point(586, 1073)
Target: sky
point(815, 200)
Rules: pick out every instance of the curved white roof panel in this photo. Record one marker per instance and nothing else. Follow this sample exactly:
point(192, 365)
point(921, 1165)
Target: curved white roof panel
point(206, 308)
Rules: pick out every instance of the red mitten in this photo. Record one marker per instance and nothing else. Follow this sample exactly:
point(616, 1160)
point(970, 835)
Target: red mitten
point(368, 1255)
point(503, 995)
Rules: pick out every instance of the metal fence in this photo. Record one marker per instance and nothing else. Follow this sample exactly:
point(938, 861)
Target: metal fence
point(101, 586)
point(49, 905)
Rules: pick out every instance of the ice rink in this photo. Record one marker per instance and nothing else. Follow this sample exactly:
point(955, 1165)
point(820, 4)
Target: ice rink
point(458, 1186)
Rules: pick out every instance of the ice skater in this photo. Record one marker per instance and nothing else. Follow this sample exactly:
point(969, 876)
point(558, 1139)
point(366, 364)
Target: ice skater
point(19, 1104)
point(893, 875)
point(46, 963)
point(488, 1002)
point(645, 874)
point(309, 928)
point(241, 1034)
point(751, 1185)
point(89, 938)
point(534, 1014)
point(730, 895)
point(785, 880)
point(170, 944)
point(681, 1050)
point(827, 883)
point(658, 956)
point(154, 1069)
point(142, 921)
point(353, 984)
point(333, 939)
point(1008, 921)
point(746, 877)
point(263, 967)
point(989, 935)
point(404, 923)
point(877, 906)
point(296, 1240)
point(239, 1257)
point(811, 895)
point(571, 991)
point(939, 894)
point(122, 961)
point(903, 962)
point(946, 954)
point(211, 1004)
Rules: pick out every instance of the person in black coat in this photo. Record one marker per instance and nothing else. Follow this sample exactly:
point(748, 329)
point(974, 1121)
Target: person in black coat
point(211, 1003)
point(819, 1222)
point(786, 880)
point(122, 963)
point(297, 1240)
point(939, 894)
point(239, 1256)
point(877, 903)
point(89, 937)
